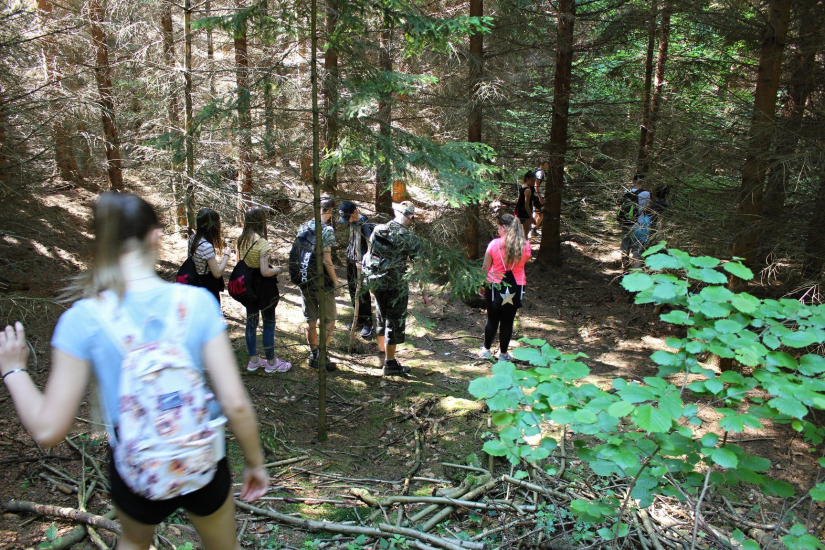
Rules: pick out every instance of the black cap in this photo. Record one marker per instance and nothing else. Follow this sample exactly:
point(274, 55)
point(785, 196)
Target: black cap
point(345, 210)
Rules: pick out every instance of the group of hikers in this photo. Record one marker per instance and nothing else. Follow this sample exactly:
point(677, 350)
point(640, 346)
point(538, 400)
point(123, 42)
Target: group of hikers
point(166, 372)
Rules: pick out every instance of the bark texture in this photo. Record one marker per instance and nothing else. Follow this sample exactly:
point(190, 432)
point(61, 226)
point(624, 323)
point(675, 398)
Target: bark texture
point(659, 84)
point(103, 78)
point(383, 193)
point(651, 43)
point(244, 117)
point(749, 201)
point(550, 250)
point(474, 126)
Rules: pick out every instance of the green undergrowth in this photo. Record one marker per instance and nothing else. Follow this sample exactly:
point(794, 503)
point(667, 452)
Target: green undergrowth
point(672, 434)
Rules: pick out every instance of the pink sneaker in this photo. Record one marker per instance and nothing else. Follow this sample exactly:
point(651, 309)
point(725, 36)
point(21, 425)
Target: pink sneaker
point(277, 365)
point(252, 366)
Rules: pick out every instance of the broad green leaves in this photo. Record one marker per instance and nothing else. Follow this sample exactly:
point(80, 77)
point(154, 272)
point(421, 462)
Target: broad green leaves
point(646, 429)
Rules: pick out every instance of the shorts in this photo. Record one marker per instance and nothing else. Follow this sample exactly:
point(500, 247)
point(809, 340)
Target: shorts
point(311, 308)
point(391, 314)
point(203, 502)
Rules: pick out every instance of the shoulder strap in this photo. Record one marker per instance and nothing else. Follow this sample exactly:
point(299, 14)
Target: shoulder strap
point(248, 250)
point(122, 329)
point(500, 255)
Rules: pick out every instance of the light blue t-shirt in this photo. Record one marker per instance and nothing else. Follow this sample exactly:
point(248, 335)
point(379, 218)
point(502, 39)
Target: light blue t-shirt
point(79, 333)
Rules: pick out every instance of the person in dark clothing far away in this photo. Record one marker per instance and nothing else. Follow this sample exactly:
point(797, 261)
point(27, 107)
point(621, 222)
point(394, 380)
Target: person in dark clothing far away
point(524, 206)
point(538, 200)
point(359, 233)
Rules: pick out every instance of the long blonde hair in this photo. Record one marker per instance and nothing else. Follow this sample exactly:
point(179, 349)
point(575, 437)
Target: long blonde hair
point(513, 239)
point(121, 222)
point(254, 222)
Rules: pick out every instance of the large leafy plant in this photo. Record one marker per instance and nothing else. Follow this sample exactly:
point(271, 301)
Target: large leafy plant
point(671, 434)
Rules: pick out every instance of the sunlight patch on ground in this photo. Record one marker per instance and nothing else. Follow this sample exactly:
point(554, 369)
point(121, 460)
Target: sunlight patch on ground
point(457, 404)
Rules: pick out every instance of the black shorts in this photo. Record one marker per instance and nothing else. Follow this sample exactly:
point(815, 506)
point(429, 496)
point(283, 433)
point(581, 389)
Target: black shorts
point(203, 502)
point(391, 314)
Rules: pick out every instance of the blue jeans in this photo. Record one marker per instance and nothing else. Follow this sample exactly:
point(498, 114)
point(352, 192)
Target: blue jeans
point(268, 315)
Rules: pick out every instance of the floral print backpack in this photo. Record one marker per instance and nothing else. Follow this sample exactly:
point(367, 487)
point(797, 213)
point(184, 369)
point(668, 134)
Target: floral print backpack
point(165, 442)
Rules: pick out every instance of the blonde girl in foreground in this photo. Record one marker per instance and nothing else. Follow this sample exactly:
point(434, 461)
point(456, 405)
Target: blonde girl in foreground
point(123, 285)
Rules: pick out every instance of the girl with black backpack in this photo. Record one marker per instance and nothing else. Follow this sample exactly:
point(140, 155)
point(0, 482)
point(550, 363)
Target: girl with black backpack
point(183, 333)
point(202, 246)
point(253, 250)
point(504, 263)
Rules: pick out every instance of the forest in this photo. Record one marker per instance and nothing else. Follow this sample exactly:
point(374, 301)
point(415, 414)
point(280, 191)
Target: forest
point(676, 404)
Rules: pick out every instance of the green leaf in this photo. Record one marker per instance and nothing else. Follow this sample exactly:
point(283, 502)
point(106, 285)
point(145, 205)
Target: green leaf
point(676, 317)
point(714, 385)
point(716, 294)
point(502, 418)
point(738, 270)
point(710, 440)
point(51, 532)
point(778, 488)
point(482, 388)
point(620, 409)
point(654, 249)
point(781, 359)
point(789, 406)
point(495, 447)
point(704, 261)
point(811, 365)
point(635, 393)
point(672, 405)
point(637, 282)
point(710, 276)
point(798, 339)
point(745, 303)
point(714, 310)
point(727, 326)
point(604, 468)
point(724, 458)
point(651, 419)
point(662, 261)
point(750, 545)
point(585, 416)
point(733, 423)
point(818, 492)
point(665, 291)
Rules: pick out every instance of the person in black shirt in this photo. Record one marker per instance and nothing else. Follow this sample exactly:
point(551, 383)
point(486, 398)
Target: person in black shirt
point(526, 198)
point(359, 234)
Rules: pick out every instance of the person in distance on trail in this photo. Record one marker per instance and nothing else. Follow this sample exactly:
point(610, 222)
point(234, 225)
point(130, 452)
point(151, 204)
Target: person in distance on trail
point(130, 322)
point(359, 234)
point(254, 249)
point(202, 246)
point(538, 200)
point(504, 263)
point(526, 201)
point(627, 215)
point(385, 268)
point(310, 295)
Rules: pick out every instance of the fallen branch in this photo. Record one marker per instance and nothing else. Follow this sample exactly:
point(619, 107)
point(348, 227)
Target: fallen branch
point(286, 461)
point(56, 511)
point(534, 487)
point(75, 535)
point(422, 541)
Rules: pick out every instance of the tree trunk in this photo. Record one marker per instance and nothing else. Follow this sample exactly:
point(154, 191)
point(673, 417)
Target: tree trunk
point(319, 245)
point(749, 201)
point(651, 42)
point(4, 144)
point(210, 48)
point(330, 90)
point(808, 44)
point(172, 107)
point(383, 193)
point(103, 78)
point(550, 248)
point(658, 87)
point(814, 259)
point(269, 101)
point(189, 124)
point(244, 118)
point(476, 62)
point(63, 156)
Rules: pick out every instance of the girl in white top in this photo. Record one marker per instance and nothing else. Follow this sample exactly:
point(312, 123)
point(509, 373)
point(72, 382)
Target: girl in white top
point(202, 246)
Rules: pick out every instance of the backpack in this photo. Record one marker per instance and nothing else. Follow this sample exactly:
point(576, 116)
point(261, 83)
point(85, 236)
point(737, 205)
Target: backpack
point(188, 273)
point(241, 282)
point(165, 442)
point(380, 253)
point(628, 208)
point(303, 268)
point(642, 229)
point(508, 293)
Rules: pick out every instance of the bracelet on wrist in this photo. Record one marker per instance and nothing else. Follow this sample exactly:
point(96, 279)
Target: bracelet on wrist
point(12, 372)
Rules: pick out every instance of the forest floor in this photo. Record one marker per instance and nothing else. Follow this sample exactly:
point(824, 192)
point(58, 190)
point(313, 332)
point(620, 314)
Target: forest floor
point(373, 421)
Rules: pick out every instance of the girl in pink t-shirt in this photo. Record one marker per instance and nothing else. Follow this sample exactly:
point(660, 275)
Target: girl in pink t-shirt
point(504, 263)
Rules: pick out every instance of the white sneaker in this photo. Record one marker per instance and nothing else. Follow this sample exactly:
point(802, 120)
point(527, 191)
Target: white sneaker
point(252, 366)
point(505, 357)
point(484, 353)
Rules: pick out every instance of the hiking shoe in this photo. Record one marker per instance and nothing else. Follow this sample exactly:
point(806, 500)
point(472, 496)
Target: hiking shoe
point(330, 366)
point(277, 365)
point(366, 332)
point(313, 360)
point(393, 368)
point(252, 366)
point(505, 357)
point(484, 353)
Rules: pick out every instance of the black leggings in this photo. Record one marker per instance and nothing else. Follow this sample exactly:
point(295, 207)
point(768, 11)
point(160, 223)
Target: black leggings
point(500, 320)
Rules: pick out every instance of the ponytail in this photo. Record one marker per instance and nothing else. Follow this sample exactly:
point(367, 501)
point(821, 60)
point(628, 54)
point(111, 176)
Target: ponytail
point(514, 240)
